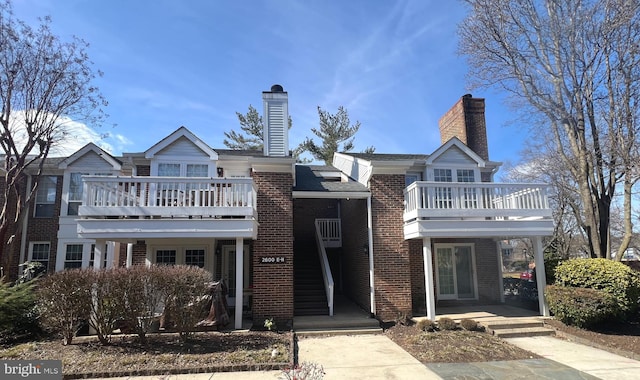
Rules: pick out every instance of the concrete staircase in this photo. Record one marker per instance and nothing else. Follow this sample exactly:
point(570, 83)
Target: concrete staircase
point(517, 327)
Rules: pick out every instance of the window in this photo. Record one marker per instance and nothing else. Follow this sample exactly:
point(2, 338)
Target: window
point(75, 193)
point(93, 254)
point(73, 256)
point(166, 257)
point(465, 175)
point(46, 197)
point(410, 178)
point(197, 170)
point(442, 175)
point(40, 254)
point(168, 170)
point(194, 257)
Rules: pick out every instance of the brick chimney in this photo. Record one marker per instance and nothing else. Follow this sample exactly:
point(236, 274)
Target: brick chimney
point(276, 122)
point(466, 121)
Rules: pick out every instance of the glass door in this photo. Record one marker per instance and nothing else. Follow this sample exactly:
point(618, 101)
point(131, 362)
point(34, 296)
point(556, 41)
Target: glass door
point(455, 273)
point(229, 270)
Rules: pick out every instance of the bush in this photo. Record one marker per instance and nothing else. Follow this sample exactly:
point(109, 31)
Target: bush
point(581, 307)
point(469, 324)
point(601, 274)
point(445, 323)
point(18, 316)
point(64, 301)
point(185, 289)
point(107, 308)
point(426, 325)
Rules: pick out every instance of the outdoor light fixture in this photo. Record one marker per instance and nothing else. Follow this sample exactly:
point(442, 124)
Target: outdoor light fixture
point(365, 249)
point(220, 172)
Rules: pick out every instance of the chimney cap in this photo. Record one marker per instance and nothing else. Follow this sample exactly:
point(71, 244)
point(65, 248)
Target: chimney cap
point(467, 96)
point(277, 88)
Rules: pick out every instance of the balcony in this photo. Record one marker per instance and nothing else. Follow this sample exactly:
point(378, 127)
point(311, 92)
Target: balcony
point(437, 209)
point(143, 207)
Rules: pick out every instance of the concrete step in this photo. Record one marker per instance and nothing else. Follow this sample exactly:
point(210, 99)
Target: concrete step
point(338, 331)
point(518, 327)
point(513, 324)
point(523, 332)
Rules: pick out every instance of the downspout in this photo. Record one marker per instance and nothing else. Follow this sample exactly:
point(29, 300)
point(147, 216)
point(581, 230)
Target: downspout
point(25, 223)
point(372, 291)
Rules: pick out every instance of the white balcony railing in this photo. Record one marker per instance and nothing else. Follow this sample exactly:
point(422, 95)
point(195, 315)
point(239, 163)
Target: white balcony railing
point(475, 200)
point(330, 231)
point(167, 196)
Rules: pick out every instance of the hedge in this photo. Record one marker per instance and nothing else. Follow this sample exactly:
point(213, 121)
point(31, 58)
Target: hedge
point(581, 307)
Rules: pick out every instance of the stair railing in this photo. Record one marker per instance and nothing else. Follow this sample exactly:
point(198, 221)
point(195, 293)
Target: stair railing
point(326, 269)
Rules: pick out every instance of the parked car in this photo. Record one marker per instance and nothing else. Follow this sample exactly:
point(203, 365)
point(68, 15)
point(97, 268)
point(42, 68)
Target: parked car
point(528, 275)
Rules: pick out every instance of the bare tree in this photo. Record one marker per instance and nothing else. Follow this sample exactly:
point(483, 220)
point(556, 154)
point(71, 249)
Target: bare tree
point(576, 63)
point(44, 84)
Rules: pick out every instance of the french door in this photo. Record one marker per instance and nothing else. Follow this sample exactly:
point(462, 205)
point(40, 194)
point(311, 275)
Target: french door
point(455, 274)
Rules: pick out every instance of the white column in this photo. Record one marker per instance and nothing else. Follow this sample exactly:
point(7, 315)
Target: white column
point(98, 253)
point(372, 288)
point(427, 257)
point(541, 278)
point(86, 255)
point(239, 281)
point(129, 255)
point(500, 273)
point(110, 254)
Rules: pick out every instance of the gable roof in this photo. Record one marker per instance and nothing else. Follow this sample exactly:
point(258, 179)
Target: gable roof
point(454, 141)
point(90, 147)
point(178, 133)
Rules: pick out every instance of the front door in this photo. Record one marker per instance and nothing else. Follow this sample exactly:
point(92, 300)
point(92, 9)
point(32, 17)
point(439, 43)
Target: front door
point(455, 273)
point(229, 270)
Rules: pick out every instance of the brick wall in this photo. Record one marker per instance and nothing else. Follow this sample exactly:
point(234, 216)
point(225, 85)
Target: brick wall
point(392, 274)
point(139, 253)
point(273, 283)
point(306, 211)
point(466, 121)
point(418, 295)
point(354, 259)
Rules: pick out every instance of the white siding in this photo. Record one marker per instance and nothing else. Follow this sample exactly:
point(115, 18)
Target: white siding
point(455, 156)
point(276, 129)
point(182, 147)
point(91, 161)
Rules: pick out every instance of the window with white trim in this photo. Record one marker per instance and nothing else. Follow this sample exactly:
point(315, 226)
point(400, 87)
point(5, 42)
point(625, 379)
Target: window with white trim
point(166, 256)
point(465, 175)
point(442, 175)
point(73, 256)
point(39, 252)
point(45, 203)
point(194, 257)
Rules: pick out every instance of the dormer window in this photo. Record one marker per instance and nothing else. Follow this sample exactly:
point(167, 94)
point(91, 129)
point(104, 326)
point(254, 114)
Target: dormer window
point(166, 169)
point(461, 175)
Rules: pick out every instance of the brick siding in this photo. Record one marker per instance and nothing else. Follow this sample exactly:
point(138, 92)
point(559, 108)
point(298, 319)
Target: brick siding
point(391, 259)
point(273, 283)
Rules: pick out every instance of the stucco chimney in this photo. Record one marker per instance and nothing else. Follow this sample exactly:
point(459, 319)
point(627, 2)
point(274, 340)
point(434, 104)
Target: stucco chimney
point(276, 122)
point(466, 121)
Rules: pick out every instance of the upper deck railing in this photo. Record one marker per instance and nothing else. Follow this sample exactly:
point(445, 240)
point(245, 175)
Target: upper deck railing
point(167, 196)
point(475, 200)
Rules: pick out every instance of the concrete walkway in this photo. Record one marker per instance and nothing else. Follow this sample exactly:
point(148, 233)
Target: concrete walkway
point(377, 357)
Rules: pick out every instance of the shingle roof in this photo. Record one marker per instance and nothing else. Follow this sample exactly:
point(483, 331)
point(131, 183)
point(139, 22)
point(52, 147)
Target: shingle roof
point(308, 178)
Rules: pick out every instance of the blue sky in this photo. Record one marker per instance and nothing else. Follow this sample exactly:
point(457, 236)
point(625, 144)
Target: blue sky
point(168, 63)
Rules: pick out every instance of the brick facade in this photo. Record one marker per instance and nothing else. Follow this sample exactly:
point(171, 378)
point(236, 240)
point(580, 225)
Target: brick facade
point(355, 260)
point(273, 283)
point(391, 259)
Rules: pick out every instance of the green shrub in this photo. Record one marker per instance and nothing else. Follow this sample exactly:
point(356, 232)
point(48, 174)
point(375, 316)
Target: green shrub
point(581, 307)
point(18, 316)
point(426, 325)
point(64, 301)
point(469, 324)
point(601, 274)
point(445, 323)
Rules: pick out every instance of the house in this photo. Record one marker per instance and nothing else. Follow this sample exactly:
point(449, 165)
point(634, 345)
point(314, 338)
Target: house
point(397, 234)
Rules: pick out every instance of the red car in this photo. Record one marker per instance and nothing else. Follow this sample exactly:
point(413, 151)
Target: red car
point(528, 275)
